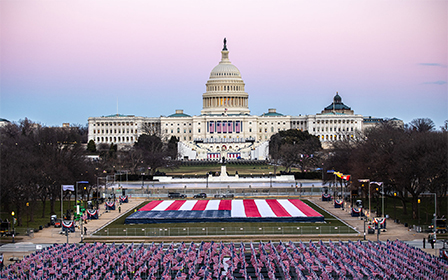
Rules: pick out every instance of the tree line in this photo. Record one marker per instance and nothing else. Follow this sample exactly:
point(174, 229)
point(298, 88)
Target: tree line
point(411, 161)
point(36, 160)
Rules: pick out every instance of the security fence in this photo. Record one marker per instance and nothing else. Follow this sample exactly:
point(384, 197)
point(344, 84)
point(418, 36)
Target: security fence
point(161, 231)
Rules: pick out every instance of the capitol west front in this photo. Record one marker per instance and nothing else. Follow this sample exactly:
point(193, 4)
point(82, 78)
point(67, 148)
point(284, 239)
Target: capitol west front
point(225, 127)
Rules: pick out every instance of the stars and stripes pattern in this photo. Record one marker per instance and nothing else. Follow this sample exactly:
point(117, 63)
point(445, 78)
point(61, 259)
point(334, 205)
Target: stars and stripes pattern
point(239, 209)
point(210, 261)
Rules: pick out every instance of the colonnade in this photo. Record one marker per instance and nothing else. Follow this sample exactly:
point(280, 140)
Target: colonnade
point(225, 102)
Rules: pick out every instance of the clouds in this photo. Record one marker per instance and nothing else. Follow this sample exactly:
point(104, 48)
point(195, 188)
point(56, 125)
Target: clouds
point(433, 64)
point(435, 83)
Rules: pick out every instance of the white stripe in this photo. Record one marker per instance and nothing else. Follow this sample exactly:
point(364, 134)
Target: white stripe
point(264, 209)
point(213, 205)
point(238, 209)
point(188, 205)
point(291, 208)
point(162, 206)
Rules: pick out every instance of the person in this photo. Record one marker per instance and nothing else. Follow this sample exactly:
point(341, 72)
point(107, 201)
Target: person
point(119, 209)
point(85, 230)
point(424, 240)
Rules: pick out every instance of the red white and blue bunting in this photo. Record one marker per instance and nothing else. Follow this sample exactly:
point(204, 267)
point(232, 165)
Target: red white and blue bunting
point(213, 155)
point(92, 214)
point(338, 203)
point(380, 221)
point(110, 205)
point(124, 199)
point(68, 225)
point(356, 212)
point(326, 197)
point(444, 254)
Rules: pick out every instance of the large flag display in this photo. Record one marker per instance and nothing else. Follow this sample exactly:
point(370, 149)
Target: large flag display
point(247, 210)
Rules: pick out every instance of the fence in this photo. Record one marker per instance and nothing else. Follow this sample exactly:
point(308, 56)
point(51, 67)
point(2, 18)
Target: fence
point(161, 231)
point(211, 192)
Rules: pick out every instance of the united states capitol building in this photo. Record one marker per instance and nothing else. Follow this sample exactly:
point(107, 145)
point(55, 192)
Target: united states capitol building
point(225, 127)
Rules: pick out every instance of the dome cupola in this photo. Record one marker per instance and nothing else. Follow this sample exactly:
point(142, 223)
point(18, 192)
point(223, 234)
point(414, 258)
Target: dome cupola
point(225, 89)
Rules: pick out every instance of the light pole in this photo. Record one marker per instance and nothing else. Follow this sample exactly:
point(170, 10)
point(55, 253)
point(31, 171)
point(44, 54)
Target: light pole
point(368, 184)
point(418, 210)
point(435, 216)
point(13, 222)
point(270, 179)
point(77, 207)
point(364, 218)
point(395, 208)
point(206, 180)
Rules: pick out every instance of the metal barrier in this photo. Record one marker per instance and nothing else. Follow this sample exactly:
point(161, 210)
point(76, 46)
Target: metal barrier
point(231, 231)
point(243, 192)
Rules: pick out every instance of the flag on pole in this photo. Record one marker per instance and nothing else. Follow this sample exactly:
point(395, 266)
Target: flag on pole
point(68, 188)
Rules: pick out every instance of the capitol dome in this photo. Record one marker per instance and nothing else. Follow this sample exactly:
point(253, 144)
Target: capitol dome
point(225, 89)
point(225, 69)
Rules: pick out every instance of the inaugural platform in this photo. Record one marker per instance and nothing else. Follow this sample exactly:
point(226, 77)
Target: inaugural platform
point(238, 210)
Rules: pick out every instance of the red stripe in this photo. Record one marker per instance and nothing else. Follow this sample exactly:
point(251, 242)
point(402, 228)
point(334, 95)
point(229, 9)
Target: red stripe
point(250, 208)
point(175, 205)
point(308, 211)
point(225, 205)
point(200, 205)
point(151, 205)
point(277, 208)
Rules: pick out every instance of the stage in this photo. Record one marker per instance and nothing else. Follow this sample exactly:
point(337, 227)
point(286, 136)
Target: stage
point(238, 210)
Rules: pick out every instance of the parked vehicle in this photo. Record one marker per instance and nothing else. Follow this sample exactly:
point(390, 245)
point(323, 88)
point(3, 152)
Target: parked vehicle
point(176, 195)
point(57, 223)
point(200, 195)
point(440, 225)
point(223, 195)
point(5, 228)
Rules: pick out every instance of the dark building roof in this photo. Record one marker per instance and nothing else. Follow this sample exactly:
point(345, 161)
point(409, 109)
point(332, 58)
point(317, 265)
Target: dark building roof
point(337, 104)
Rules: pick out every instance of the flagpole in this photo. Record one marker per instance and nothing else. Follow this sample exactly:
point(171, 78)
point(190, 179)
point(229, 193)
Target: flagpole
point(62, 204)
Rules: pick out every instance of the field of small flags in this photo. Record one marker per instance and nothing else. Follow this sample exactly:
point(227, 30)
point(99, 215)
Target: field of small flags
point(209, 260)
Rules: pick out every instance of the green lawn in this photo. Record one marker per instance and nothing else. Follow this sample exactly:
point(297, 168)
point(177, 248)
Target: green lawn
point(231, 168)
point(394, 208)
point(38, 220)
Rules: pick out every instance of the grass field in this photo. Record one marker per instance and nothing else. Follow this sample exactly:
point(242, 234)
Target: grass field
point(332, 225)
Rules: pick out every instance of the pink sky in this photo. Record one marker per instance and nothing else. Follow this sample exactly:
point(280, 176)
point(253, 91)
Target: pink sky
point(65, 61)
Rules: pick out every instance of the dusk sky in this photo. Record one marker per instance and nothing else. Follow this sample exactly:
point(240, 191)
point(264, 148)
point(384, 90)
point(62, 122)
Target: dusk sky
point(66, 61)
